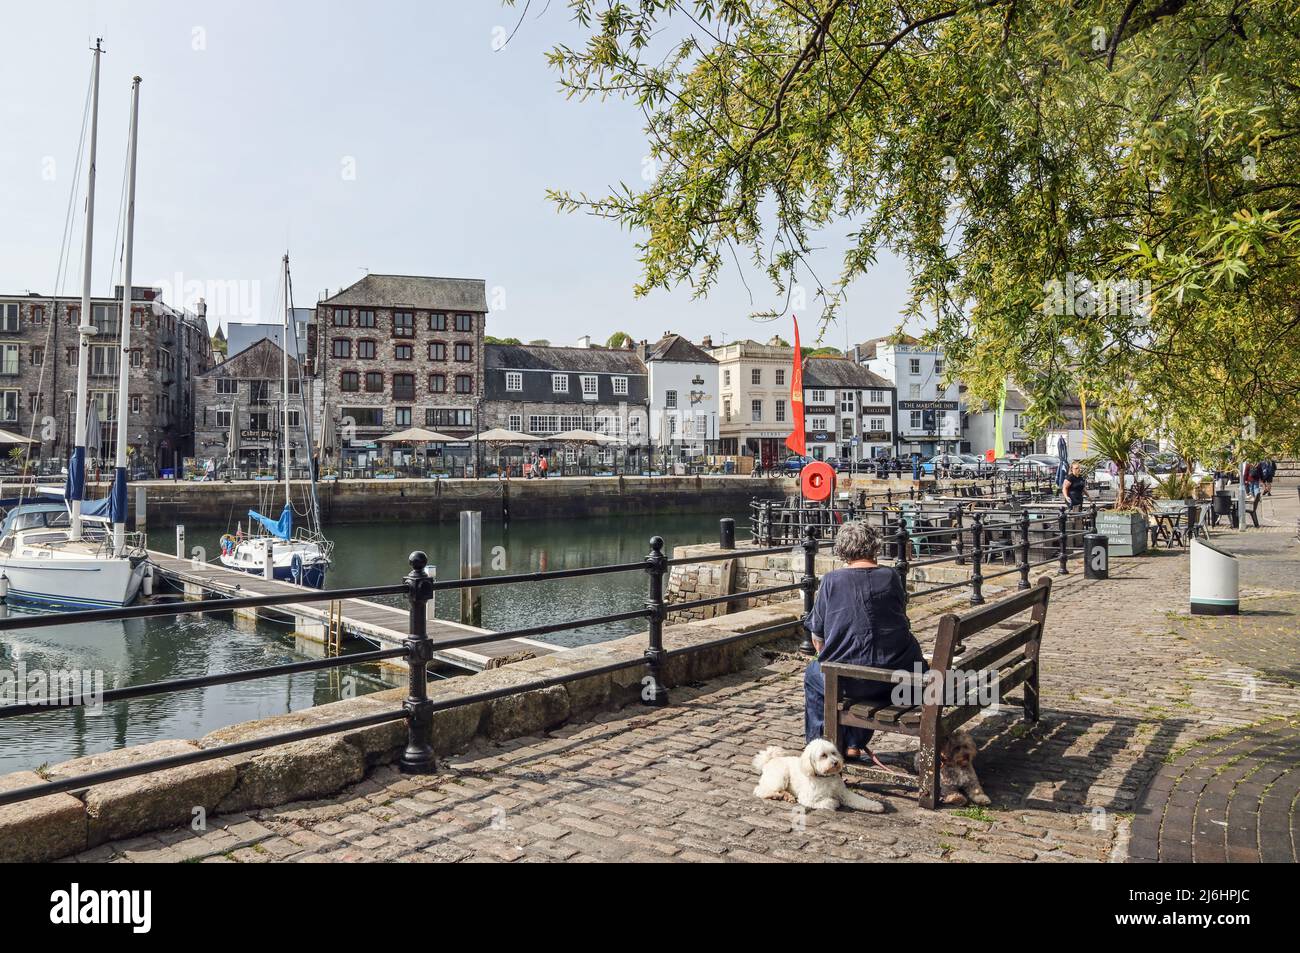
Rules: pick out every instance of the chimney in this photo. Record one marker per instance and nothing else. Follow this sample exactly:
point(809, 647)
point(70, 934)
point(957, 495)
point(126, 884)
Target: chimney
point(706, 341)
point(584, 341)
point(202, 308)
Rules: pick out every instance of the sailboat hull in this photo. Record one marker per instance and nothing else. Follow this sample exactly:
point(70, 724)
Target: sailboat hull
point(73, 583)
point(298, 562)
point(313, 577)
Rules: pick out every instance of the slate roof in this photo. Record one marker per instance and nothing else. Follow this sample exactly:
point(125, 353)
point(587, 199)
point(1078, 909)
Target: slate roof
point(261, 360)
point(676, 349)
point(841, 373)
point(434, 294)
point(537, 357)
point(867, 349)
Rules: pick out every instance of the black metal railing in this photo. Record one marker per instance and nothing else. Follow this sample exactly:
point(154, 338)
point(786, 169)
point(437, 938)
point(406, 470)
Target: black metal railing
point(417, 651)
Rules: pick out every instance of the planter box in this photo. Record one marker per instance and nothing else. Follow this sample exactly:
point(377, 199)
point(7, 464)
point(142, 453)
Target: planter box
point(1127, 533)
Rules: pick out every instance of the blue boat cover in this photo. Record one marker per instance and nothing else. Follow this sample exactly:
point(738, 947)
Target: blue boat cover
point(280, 528)
point(75, 487)
point(112, 507)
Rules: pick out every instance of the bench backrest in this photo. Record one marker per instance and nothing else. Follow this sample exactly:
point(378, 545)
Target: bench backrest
point(954, 629)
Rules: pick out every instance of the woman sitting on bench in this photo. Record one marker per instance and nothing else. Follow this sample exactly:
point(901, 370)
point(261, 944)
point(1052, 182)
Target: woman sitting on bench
point(860, 618)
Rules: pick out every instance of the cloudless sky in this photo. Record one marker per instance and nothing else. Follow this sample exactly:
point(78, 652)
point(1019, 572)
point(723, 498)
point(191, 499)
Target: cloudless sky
point(385, 135)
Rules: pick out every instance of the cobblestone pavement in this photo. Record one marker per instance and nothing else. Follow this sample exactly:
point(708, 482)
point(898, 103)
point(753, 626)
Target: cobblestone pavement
point(1132, 691)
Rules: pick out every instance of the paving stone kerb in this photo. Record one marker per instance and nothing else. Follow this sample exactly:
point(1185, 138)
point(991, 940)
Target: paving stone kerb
point(55, 826)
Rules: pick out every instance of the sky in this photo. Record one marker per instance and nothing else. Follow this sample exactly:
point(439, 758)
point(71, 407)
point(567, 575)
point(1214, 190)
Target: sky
point(392, 137)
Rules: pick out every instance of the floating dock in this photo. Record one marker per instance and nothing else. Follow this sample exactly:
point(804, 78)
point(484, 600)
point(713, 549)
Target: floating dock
point(373, 622)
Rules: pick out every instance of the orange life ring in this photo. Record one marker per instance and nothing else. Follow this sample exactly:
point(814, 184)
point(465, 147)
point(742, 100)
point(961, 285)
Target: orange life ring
point(818, 481)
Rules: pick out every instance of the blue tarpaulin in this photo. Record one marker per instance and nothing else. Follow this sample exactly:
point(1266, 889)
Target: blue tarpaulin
point(75, 487)
point(117, 498)
point(280, 528)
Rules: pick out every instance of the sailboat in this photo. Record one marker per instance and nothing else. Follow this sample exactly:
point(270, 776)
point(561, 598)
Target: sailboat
point(299, 555)
point(65, 556)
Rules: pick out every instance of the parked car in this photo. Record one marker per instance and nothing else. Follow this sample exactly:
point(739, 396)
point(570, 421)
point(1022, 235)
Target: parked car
point(975, 465)
point(950, 463)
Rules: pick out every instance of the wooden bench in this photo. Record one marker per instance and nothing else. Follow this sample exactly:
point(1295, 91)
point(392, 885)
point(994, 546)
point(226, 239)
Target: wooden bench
point(1012, 656)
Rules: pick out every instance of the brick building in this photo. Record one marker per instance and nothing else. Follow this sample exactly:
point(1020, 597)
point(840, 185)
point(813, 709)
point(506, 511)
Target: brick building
point(542, 390)
point(249, 387)
point(398, 351)
point(170, 348)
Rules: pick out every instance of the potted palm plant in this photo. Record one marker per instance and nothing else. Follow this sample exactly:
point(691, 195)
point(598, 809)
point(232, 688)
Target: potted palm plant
point(1117, 439)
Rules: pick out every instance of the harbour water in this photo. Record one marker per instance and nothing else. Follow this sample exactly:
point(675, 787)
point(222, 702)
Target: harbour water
point(149, 650)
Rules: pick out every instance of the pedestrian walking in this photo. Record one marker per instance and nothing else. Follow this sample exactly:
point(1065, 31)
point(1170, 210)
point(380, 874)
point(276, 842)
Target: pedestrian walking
point(1268, 470)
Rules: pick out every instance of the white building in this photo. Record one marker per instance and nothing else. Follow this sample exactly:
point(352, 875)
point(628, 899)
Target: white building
point(981, 428)
point(754, 381)
point(684, 397)
point(848, 410)
point(929, 410)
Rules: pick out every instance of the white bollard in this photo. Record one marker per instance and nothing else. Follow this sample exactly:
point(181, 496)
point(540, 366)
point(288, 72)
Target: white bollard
point(180, 541)
point(268, 564)
point(147, 584)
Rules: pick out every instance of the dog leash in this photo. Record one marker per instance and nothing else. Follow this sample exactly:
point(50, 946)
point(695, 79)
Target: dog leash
point(884, 767)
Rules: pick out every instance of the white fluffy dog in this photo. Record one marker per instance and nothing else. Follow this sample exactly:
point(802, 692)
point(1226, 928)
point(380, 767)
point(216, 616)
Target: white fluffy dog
point(813, 778)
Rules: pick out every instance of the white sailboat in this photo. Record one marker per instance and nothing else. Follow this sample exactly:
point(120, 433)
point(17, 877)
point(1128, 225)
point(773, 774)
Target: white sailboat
point(64, 556)
point(300, 555)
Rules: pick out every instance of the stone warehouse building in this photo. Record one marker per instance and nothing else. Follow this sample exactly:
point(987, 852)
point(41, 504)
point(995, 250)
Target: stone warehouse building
point(544, 390)
point(169, 349)
point(397, 351)
point(248, 388)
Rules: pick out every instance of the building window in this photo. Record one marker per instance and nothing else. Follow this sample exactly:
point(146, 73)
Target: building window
point(365, 318)
point(350, 381)
point(295, 419)
point(104, 318)
point(756, 410)
point(914, 365)
point(438, 417)
point(726, 378)
point(516, 422)
point(726, 409)
point(670, 399)
point(780, 411)
point(914, 391)
point(590, 385)
point(9, 359)
point(438, 383)
point(403, 324)
point(135, 408)
point(817, 397)
point(437, 321)
point(403, 387)
point(846, 429)
point(464, 384)
point(375, 382)
point(103, 360)
point(366, 349)
point(877, 425)
point(877, 397)
point(227, 385)
point(514, 381)
point(9, 406)
point(437, 351)
point(9, 319)
point(464, 352)
point(294, 388)
point(916, 420)
point(938, 391)
point(780, 377)
point(938, 366)
point(559, 383)
point(222, 413)
point(364, 416)
point(137, 357)
point(402, 416)
point(543, 423)
point(259, 392)
point(342, 347)
point(620, 386)
point(756, 376)
point(38, 356)
point(342, 317)
point(464, 322)
point(402, 352)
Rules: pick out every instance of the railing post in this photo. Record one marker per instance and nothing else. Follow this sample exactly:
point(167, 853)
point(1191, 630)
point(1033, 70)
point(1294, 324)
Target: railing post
point(656, 565)
point(1062, 523)
point(977, 560)
point(418, 758)
point(900, 540)
point(1024, 550)
point(961, 544)
point(767, 523)
point(809, 583)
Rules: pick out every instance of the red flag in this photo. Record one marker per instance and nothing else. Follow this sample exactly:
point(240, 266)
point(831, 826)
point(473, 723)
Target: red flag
point(797, 441)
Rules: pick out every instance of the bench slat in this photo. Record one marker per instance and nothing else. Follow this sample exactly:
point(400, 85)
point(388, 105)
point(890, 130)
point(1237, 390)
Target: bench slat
point(987, 655)
point(995, 612)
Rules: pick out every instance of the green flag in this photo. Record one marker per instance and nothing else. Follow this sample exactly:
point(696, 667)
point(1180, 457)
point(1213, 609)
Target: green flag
point(999, 448)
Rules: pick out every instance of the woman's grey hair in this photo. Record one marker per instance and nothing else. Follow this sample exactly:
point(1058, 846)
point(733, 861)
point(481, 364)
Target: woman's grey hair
point(856, 540)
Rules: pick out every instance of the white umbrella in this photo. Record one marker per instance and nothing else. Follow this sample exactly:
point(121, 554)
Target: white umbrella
point(418, 435)
point(7, 437)
point(94, 433)
point(329, 434)
point(582, 436)
point(501, 435)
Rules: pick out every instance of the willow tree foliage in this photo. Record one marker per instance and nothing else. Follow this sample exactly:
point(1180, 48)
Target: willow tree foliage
point(1091, 195)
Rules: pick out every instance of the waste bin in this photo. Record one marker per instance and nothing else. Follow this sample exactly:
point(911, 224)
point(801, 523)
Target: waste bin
point(1214, 580)
point(1096, 556)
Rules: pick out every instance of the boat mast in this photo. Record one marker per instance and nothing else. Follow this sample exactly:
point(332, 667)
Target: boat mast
point(117, 504)
point(284, 383)
point(76, 488)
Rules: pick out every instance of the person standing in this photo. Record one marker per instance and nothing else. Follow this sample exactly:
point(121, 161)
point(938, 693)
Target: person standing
point(1268, 470)
point(542, 466)
point(1075, 487)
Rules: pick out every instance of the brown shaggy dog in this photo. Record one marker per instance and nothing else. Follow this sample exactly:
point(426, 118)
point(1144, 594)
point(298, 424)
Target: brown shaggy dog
point(957, 778)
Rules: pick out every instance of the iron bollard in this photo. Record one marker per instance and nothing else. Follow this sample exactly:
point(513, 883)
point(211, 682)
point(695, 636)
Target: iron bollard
point(418, 758)
point(900, 541)
point(767, 523)
point(809, 582)
point(656, 565)
point(961, 544)
point(1024, 550)
point(977, 561)
point(889, 496)
point(726, 533)
point(1063, 521)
